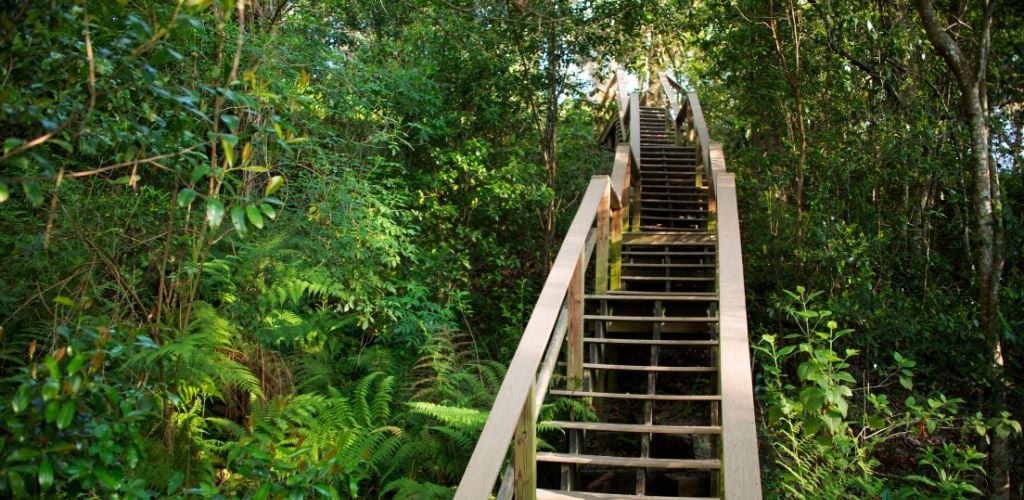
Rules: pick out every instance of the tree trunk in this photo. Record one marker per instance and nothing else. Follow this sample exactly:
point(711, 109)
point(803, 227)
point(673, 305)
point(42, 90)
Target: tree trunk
point(549, 135)
point(970, 76)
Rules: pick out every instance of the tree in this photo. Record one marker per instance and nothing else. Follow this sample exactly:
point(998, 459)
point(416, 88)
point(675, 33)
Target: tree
point(970, 75)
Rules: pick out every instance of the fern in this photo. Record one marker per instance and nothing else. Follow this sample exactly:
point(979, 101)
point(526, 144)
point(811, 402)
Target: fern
point(450, 415)
point(417, 490)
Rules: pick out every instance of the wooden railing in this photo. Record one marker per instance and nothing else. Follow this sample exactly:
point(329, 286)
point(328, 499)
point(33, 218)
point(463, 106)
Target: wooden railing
point(741, 474)
point(596, 231)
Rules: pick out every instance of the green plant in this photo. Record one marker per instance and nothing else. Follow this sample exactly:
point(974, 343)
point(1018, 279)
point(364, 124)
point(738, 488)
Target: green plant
point(73, 418)
point(955, 470)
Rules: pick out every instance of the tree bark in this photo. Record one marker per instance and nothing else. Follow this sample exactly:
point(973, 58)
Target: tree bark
point(970, 76)
point(549, 135)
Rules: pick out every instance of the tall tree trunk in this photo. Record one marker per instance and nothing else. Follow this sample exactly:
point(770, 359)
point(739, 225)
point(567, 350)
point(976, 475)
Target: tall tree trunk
point(549, 134)
point(970, 76)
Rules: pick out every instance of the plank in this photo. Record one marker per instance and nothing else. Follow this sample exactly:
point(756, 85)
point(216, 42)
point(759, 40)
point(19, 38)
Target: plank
point(525, 452)
point(669, 266)
point(626, 395)
point(668, 238)
point(585, 495)
point(697, 297)
point(664, 343)
point(652, 319)
point(646, 368)
point(668, 278)
point(652, 463)
point(741, 476)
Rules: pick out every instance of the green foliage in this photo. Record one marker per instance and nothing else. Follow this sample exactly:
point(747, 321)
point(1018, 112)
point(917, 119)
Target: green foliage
point(954, 469)
point(824, 435)
point(313, 445)
point(74, 417)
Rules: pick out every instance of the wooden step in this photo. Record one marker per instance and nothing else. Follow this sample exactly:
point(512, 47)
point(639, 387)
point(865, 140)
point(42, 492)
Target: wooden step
point(626, 395)
point(668, 266)
point(635, 428)
point(646, 292)
point(673, 147)
point(650, 369)
point(651, 463)
point(680, 210)
point(681, 197)
point(663, 343)
point(543, 494)
point(667, 254)
point(652, 296)
point(680, 218)
point(668, 238)
point(652, 319)
point(669, 278)
point(682, 229)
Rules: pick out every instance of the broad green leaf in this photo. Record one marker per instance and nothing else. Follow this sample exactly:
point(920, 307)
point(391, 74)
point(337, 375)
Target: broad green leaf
point(186, 197)
point(263, 493)
point(231, 121)
point(17, 484)
point(198, 173)
point(273, 185)
point(45, 474)
point(21, 399)
point(238, 220)
point(68, 148)
point(254, 216)
point(906, 383)
point(5, 193)
point(12, 142)
point(106, 478)
point(76, 364)
point(268, 211)
point(229, 151)
point(22, 455)
point(50, 389)
point(67, 413)
point(52, 410)
point(214, 212)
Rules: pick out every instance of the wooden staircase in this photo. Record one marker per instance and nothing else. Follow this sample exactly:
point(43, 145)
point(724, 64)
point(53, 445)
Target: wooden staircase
point(656, 347)
point(652, 375)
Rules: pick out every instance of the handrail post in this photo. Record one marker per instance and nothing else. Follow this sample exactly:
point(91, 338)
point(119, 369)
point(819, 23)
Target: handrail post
point(615, 249)
point(574, 369)
point(634, 208)
point(601, 262)
point(525, 457)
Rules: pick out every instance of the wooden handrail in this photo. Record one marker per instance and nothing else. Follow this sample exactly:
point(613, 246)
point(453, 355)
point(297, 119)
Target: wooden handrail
point(513, 416)
point(741, 471)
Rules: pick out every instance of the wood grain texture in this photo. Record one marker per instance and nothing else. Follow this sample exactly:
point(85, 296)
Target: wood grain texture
point(602, 245)
point(741, 473)
point(654, 463)
point(525, 459)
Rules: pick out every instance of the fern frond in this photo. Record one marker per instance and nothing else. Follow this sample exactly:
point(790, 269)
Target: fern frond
point(450, 415)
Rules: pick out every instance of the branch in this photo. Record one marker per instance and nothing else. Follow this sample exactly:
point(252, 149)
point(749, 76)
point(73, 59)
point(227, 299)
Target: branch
point(943, 43)
point(107, 168)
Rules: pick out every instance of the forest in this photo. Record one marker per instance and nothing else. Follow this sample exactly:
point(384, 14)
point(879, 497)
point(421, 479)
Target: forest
point(287, 248)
